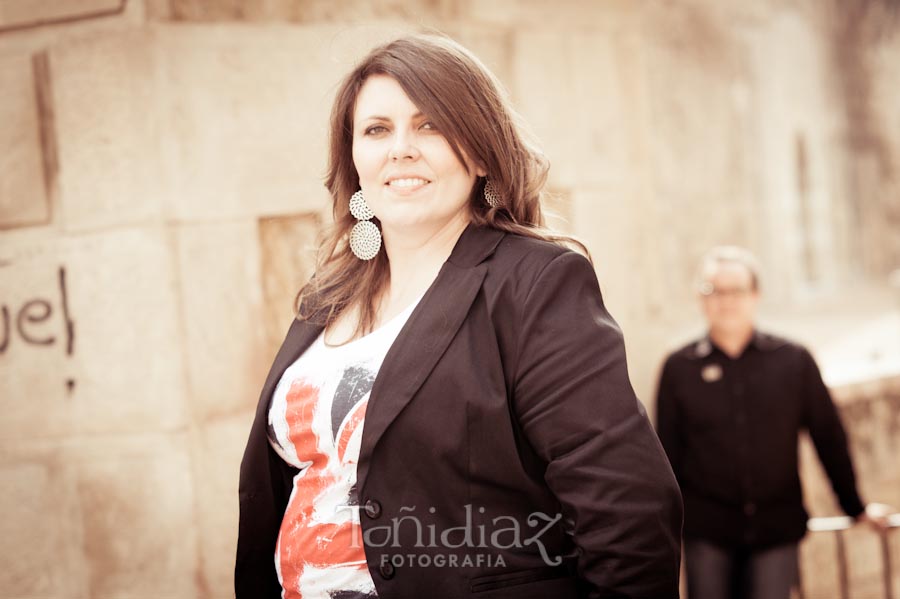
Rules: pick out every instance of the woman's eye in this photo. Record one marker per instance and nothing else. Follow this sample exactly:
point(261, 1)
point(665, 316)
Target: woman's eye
point(429, 125)
point(375, 129)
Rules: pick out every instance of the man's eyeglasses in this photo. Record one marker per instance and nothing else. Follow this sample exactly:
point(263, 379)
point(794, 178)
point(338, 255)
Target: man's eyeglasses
point(709, 290)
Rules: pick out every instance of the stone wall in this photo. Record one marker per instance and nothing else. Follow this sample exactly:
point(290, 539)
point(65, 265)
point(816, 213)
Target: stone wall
point(160, 197)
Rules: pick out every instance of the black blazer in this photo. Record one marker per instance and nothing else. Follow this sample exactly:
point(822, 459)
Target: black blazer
point(503, 410)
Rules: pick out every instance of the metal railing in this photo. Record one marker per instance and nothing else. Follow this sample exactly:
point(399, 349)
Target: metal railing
point(839, 524)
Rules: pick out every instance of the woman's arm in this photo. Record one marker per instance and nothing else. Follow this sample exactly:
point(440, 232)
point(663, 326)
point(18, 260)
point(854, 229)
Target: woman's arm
point(576, 405)
point(668, 425)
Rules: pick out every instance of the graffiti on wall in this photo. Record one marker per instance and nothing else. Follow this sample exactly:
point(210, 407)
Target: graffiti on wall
point(31, 321)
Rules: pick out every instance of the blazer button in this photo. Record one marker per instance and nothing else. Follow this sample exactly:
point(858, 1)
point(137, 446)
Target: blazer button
point(373, 508)
point(387, 570)
point(749, 508)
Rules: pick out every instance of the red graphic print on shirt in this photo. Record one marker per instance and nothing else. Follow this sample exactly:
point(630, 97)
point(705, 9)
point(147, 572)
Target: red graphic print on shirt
point(319, 549)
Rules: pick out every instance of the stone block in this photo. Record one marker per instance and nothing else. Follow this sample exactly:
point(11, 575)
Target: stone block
point(571, 91)
point(308, 11)
point(886, 93)
point(602, 90)
point(22, 13)
point(111, 121)
point(697, 83)
point(102, 516)
point(881, 129)
point(217, 448)
point(35, 533)
point(158, 10)
point(23, 189)
point(741, 14)
point(138, 515)
point(288, 258)
point(223, 312)
point(90, 334)
point(492, 45)
point(542, 82)
point(37, 342)
point(568, 15)
point(34, 38)
point(801, 187)
point(132, 323)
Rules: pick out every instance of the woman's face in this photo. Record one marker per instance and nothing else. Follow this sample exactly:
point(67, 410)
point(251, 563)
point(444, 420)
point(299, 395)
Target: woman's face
point(408, 173)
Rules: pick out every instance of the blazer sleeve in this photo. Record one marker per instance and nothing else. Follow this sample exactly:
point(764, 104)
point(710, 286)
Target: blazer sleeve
point(605, 464)
point(668, 422)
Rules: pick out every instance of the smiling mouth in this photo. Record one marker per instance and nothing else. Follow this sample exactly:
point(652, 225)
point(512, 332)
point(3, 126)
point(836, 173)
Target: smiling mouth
point(407, 183)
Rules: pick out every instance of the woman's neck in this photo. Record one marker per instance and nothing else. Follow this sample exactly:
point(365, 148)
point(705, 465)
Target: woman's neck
point(416, 256)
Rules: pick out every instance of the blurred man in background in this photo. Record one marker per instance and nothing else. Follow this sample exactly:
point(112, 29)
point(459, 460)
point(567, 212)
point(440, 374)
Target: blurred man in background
point(730, 408)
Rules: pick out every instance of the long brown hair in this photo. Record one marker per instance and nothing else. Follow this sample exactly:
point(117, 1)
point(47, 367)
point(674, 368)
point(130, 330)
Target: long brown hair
point(466, 103)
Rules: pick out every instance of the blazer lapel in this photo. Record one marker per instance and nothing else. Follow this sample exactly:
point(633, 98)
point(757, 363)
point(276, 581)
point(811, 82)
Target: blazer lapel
point(426, 334)
point(262, 471)
point(300, 336)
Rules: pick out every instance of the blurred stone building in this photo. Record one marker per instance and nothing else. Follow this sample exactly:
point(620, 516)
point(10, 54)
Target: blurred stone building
point(161, 168)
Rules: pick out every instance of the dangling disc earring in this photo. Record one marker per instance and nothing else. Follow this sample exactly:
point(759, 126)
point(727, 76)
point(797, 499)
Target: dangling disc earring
point(365, 238)
point(491, 196)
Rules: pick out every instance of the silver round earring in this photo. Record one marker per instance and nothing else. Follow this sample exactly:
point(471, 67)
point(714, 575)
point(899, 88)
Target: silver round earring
point(491, 196)
point(365, 238)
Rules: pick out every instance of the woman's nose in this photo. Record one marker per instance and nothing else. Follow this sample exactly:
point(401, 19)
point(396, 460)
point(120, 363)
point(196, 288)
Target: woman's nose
point(404, 148)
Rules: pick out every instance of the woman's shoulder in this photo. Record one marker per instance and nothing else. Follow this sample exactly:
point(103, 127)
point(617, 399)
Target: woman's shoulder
point(520, 263)
point(532, 253)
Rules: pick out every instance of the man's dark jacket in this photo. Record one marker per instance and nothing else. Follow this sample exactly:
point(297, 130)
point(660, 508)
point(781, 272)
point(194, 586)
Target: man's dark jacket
point(730, 428)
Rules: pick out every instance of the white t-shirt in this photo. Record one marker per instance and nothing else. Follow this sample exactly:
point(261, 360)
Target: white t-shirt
point(315, 422)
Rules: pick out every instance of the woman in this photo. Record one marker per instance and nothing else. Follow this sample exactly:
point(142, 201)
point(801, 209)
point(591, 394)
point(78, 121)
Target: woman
point(450, 414)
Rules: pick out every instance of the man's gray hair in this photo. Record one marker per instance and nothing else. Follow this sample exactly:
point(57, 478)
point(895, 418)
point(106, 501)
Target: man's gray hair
point(725, 254)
